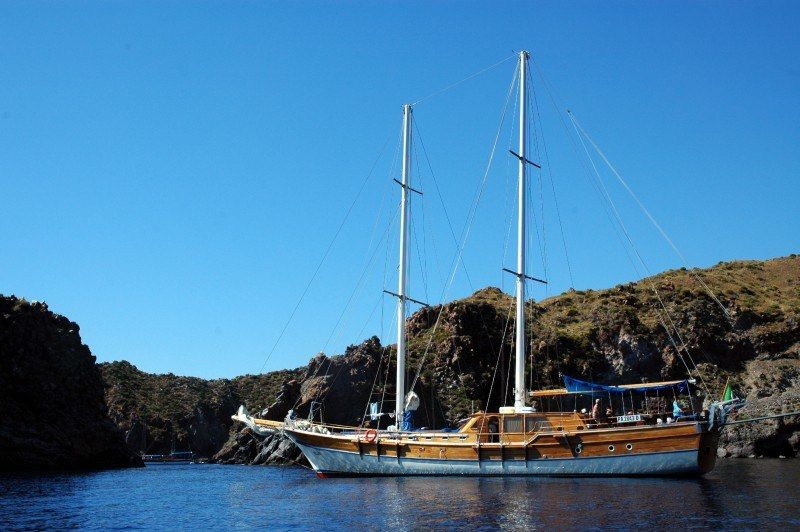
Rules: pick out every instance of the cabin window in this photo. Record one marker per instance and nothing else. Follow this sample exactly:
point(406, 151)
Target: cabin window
point(533, 424)
point(512, 424)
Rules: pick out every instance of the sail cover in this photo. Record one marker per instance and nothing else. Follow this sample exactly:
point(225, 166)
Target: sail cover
point(578, 386)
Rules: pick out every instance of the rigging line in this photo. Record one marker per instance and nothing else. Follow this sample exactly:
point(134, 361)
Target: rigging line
point(466, 231)
point(550, 92)
point(552, 186)
point(329, 359)
point(423, 265)
point(386, 378)
point(369, 318)
point(541, 237)
point(383, 351)
point(366, 268)
point(421, 209)
point(661, 312)
point(680, 355)
point(508, 375)
point(499, 355)
point(369, 257)
point(330, 386)
point(644, 265)
point(452, 233)
point(386, 346)
point(441, 201)
point(361, 278)
point(419, 257)
point(537, 119)
point(647, 273)
point(325, 255)
point(600, 187)
point(651, 218)
point(372, 388)
point(452, 85)
point(553, 97)
point(509, 197)
point(380, 210)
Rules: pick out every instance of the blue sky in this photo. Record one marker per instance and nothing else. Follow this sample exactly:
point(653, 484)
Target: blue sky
point(172, 172)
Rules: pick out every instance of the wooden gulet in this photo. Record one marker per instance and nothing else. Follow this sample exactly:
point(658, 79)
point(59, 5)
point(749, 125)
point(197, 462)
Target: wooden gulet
point(517, 440)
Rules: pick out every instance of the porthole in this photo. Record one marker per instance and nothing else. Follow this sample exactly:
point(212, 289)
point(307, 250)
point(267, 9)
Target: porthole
point(579, 448)
point(629, 446)
point(611, 448)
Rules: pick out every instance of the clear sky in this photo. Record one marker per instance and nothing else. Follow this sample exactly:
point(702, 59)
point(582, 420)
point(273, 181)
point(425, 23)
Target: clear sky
point(172, 172)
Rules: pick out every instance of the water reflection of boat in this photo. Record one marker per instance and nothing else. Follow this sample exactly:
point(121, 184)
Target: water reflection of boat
point(545, 432)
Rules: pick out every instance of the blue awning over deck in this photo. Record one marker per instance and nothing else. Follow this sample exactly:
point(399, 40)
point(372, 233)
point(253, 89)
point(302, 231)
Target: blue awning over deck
point(574, 385)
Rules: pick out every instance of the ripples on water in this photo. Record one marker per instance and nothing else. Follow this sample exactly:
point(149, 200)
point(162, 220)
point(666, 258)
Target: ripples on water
point(738, 494)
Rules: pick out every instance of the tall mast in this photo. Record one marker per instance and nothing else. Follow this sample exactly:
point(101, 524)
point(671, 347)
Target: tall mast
point(519, 367)
point(403, 270)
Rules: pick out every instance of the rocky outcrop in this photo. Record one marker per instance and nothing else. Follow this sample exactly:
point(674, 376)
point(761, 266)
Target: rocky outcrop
point(160, 412)
point(337, 388)
point(244, 447)
point(52, 411)
point(770, 386)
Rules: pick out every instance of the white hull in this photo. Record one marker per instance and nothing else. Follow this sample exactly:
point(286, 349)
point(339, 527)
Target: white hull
point(331, 462)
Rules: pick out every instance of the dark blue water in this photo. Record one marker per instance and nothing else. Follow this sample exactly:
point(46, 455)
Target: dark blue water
point(741, 494)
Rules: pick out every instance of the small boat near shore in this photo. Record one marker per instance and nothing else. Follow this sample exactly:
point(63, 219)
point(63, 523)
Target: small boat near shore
point(175, 457)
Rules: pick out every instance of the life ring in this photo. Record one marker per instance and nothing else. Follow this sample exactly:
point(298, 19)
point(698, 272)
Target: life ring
point(370, 435)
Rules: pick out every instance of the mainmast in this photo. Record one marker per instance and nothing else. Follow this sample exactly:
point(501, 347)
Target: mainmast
point(519, 367)
point(402, 271)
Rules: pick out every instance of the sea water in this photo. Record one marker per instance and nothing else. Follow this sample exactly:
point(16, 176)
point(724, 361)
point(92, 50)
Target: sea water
point(739, 494)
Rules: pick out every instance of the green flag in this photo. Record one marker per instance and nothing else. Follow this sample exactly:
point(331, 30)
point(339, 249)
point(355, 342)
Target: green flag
point(728, 395)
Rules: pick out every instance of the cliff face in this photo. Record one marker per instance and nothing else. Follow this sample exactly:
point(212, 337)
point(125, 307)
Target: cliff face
point(52, 412)
point(159, 412)
point(612, 336)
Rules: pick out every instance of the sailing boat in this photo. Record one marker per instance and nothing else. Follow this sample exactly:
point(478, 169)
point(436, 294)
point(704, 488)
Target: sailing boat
point(518, 439)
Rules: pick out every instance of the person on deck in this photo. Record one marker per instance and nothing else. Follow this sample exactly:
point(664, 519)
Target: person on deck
point(494, 430)
point(677, 411)
point(596, 411)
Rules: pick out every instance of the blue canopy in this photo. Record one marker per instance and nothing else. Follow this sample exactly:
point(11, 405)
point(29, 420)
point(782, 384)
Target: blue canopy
point(578, 386)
